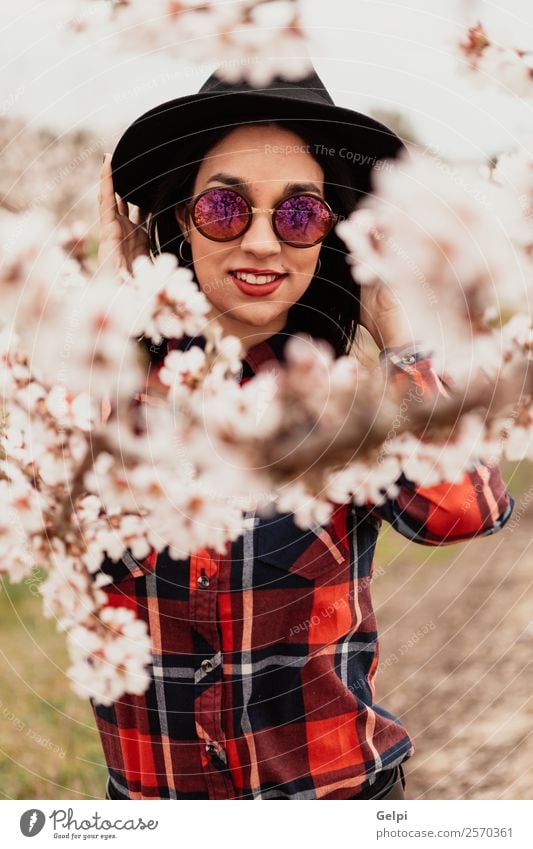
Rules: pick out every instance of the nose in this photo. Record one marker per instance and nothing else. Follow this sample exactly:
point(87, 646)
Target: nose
point(260, 238)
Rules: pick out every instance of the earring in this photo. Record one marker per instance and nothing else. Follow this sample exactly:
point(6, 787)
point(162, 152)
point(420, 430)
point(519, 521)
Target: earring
point(180, 251)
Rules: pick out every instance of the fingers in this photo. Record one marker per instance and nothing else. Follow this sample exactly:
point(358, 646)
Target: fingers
point(111, 204)
point(122, 206)
point(122, 236)
point(106, 196)
point(138, 215)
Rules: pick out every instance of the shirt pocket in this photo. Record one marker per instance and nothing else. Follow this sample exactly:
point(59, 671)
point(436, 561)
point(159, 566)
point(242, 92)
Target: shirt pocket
point(316, 554)
point(127, 568)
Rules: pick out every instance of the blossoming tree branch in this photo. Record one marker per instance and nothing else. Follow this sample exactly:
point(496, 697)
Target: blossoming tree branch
point(98, 464)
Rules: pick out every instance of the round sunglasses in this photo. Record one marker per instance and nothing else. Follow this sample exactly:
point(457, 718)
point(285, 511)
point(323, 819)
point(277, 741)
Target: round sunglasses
point(300, 220)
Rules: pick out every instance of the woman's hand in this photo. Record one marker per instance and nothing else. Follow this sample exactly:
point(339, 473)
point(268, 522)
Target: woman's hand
point(385, 317)
point(122, 238)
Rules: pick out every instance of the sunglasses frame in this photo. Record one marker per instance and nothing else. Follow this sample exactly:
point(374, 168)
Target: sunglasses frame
point(334, 216)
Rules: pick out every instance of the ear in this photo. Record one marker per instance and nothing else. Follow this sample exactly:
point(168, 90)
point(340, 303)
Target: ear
point(183, 220)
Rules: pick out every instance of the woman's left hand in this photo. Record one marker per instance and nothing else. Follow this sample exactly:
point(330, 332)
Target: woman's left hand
point(122, 234)
point(384, 316)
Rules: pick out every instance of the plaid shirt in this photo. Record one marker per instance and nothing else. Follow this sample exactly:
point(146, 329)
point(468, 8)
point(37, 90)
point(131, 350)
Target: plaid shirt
point(264, 658)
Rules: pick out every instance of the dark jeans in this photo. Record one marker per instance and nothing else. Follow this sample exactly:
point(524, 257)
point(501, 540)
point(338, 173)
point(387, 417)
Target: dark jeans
point(390, 784)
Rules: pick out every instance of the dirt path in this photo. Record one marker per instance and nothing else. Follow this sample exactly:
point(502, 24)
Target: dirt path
point(456, 661)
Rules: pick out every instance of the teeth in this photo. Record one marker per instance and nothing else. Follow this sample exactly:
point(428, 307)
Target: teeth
point(256, 279)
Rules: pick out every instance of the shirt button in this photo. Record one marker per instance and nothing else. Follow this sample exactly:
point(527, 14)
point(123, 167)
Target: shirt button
point(207, 666)
point(211, 748)
point(203, 581)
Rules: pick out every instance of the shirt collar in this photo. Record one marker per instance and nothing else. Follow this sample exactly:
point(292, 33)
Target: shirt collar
point(272, 348)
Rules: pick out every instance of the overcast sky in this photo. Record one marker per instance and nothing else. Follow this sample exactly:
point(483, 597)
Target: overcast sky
point(374, 55)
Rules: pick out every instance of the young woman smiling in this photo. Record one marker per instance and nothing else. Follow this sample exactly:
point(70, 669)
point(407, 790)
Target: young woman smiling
point(265, 658)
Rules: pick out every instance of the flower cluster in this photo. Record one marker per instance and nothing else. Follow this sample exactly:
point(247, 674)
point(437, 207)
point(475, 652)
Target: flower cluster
point(250, 40)
point(78, 487)
point(491, 62)
point(454, 248)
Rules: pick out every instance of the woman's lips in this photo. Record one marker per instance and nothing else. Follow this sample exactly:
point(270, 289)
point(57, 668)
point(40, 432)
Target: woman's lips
point(257, 290)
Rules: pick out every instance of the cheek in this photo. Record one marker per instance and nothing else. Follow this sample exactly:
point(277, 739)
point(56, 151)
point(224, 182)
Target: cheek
point(208, 259)
point(302, 263)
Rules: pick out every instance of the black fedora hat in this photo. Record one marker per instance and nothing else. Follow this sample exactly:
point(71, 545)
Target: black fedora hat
point(170, 132)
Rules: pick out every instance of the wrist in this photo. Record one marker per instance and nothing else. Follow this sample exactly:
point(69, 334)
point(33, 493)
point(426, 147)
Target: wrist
point(407, 354)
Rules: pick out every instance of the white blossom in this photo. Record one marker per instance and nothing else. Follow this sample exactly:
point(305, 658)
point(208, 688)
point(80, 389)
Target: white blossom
point(250, 40)
point(68, 411)
point(309, 510)
point(363, 483)
point(172, 303)
point(428, 463)
point(184, 371)
point(438, 238)
point(113, 660)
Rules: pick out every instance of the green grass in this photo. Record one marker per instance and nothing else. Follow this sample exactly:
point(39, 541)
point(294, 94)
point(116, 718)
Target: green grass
point(49, 746)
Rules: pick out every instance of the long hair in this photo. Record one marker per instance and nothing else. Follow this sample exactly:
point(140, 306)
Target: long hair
point(330, 307)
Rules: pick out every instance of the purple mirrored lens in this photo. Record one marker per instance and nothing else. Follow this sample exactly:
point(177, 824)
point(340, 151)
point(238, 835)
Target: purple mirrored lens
point(221, 214)
point(303, 220)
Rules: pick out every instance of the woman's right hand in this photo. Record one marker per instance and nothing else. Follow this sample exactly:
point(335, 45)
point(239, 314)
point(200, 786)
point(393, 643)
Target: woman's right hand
point(122, 237)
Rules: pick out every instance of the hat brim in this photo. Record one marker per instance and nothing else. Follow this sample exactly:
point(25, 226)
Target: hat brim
point(146, 150)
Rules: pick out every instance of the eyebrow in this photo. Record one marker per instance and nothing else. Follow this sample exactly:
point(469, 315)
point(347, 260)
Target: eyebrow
point(230, 180)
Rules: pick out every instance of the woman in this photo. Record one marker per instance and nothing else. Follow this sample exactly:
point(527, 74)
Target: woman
point(264, 658)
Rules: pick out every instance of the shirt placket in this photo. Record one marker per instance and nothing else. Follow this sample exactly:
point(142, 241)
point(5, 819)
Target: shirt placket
point(205, 578)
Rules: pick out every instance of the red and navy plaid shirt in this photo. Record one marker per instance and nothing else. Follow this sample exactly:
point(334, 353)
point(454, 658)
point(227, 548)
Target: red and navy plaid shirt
point(264, 658)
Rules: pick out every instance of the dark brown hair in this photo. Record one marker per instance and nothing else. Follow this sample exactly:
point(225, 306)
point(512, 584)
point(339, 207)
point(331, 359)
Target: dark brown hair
point(329, 308)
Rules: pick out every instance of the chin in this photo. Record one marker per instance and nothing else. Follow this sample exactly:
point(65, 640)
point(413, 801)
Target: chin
point(259, 315)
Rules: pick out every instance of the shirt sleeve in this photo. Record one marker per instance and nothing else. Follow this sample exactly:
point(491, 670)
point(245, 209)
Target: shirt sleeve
point(477, 505)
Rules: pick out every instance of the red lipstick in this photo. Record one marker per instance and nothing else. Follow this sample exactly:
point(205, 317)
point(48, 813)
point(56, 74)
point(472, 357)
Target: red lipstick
point(257, 290)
